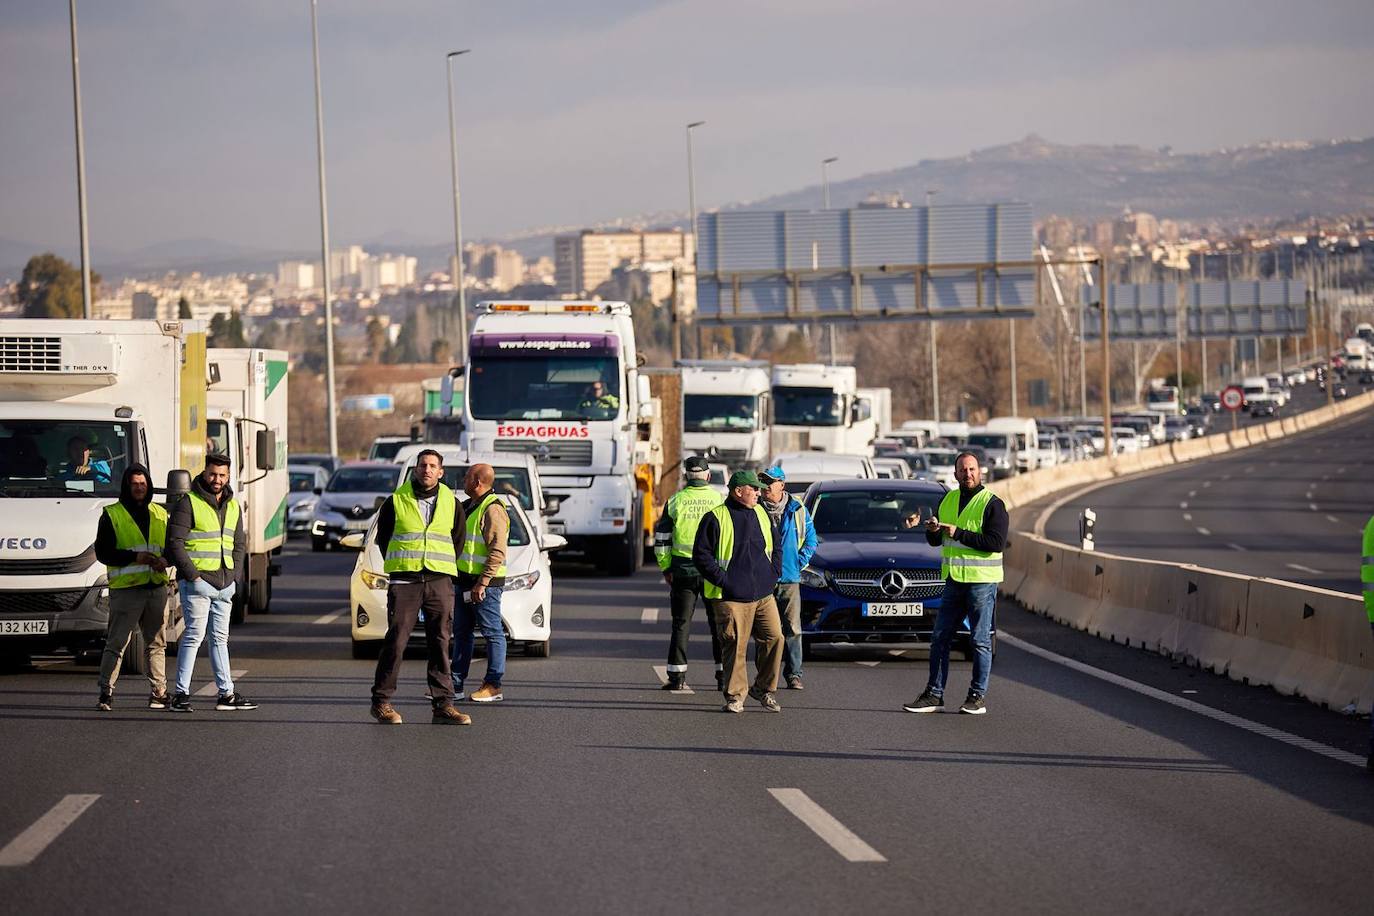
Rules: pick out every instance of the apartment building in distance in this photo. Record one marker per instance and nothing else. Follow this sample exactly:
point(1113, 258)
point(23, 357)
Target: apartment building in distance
point(585, 260)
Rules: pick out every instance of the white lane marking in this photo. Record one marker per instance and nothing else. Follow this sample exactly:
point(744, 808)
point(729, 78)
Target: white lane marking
point(649, 615)
point(662, 672)
point(824, 825)
point(331, 617)
point(1307, 569)
point(896, 652)
point(1217, 715)
point(1326, 477)
point(1204, 532)
point(1225, 476)
point(1192, 493)
point(1340, 470)
point(1236, 547)
point(868, 664)
point(1187, 516)
point(1183, 505)
point(1312, 506)
point(1190, 691)
point(210, 690)
point(1332, 518)
point(26, 847)
point(1206, 484)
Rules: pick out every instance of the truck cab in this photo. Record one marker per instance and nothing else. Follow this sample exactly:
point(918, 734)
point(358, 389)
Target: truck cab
point(560, 381)
point(725, 411)
point(818, 408)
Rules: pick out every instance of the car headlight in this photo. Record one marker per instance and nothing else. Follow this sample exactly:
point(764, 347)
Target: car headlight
point(609, 513)
point(516, 583)
point(811, 578)
point(375, 581)
point(302, 509)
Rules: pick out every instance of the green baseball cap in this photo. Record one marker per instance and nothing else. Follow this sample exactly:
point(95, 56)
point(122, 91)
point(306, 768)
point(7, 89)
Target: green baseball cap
point(745, 479)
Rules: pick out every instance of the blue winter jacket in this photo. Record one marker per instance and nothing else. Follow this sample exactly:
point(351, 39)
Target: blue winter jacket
point(794, 558)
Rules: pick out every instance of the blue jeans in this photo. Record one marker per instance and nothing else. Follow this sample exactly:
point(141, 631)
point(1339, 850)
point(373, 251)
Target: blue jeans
point(200, 602)
point(788, 598)
point(468, 616)
point(976, 601)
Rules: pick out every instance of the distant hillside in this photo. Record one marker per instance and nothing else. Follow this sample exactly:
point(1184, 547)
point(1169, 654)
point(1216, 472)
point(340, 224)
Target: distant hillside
point(1084, 182)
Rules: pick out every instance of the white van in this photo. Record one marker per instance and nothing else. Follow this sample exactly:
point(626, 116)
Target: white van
point(805, 468)
point(1027, 439)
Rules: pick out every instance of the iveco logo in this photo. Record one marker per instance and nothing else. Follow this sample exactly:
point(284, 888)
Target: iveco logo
point(892, 583)
point(24, 543)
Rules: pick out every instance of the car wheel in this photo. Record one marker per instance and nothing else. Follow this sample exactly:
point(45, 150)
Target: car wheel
point(538, 649)
point(260, 595)
point(317, 544)
point(366, 648)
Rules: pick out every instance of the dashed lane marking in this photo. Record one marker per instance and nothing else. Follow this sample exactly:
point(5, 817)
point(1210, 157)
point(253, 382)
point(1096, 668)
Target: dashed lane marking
point(1216, 715)
point(649, 615)
point(211, 690)
point(824, 825)
point(868, 664)
point(331, 617)
point(1204, 532)
point(1332, 518)
point(1192, 493)
point(1187, 516)
point(1206, 484)
point(1312, 506)
point(1183, 505)
point(26, 847)
point(1307, 569)
point(662, 672)
point(1235, 546)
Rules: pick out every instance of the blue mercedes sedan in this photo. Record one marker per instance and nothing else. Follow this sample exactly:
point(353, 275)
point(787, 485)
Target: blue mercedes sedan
point(873, 579)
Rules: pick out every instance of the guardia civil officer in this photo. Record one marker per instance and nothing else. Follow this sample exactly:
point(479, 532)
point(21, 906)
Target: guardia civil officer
point(674, 535)
point(205, 542)
point(418, 530)
point(130, 540)
point(971, 531)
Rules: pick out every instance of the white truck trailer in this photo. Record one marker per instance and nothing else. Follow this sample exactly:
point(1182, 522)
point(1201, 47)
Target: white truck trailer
point(817, 408)
point(247, 421)
point(725, 408)
point(879, 401)
point(80, 401)
point(561, 381)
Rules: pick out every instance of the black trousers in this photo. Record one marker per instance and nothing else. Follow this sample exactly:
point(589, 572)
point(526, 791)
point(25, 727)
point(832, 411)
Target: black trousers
point(404, 601)
point(685, 591)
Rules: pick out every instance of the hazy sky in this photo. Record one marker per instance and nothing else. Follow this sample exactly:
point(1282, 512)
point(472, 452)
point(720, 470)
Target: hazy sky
point(200, 120)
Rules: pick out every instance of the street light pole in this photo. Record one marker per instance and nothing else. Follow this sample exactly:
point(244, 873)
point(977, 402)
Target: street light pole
point(324, 241)
point(692, 213)
point(457, 217)
point(825, 181)
point(80, 172)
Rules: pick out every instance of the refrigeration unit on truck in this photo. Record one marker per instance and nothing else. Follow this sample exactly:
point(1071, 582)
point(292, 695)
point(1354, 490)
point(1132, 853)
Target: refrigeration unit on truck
point(246, 420)
point(561, 381)
point(817, 408)
point(725, 406)
point(80, 401)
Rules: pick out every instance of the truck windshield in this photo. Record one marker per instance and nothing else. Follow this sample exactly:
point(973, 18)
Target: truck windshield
point(537, 387)
point(807, 406)
point(988, 440)
point(719, 413)
point(46, 458)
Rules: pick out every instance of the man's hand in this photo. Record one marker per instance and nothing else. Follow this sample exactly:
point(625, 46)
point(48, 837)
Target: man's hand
point(479, 591)
point(668, 576)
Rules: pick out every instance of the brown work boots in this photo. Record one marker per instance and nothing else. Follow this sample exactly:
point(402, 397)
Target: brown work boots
point(448, 715)
point(386, 714)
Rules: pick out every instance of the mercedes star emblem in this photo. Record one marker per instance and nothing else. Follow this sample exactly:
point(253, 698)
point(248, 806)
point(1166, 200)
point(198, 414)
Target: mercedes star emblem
point(892, 583)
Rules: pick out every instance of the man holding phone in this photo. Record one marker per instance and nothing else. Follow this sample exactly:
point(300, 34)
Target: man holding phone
point(970, 528)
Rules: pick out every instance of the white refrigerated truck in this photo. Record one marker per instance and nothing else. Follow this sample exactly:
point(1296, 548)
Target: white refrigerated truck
point(247, 421)
point(561, 381)
point(725, 407)
point(818, 408)
point(81, 400)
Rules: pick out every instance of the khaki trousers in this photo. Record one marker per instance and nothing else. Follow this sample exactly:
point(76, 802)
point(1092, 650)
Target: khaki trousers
point(736, 621)
point(132, 609)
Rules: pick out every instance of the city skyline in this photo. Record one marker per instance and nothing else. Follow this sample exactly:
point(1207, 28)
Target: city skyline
point(571, 117)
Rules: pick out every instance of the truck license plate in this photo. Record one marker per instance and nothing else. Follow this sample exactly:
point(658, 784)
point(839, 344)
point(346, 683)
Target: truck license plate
point(902, 609)
point(356, 525)
point(23, 627)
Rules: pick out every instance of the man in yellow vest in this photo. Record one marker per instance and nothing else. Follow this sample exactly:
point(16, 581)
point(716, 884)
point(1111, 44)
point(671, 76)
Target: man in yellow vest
point(206, 544)
point(737, 551)
point(482, 578)
point(419, 528)
point(1367, 580)
point(971, 531)
point(674, 535)
point(130, 539)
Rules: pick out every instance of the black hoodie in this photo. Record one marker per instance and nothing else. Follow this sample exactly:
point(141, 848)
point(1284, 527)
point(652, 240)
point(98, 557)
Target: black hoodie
point(105, 550)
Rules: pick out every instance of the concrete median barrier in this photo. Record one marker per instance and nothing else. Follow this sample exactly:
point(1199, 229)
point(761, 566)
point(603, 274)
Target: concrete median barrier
point(1211, 609)
point(1043, 561)
point(1139, 603)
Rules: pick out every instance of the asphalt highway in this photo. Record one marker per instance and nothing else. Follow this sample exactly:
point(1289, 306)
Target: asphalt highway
point(591, 790)
point(1292, 509)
